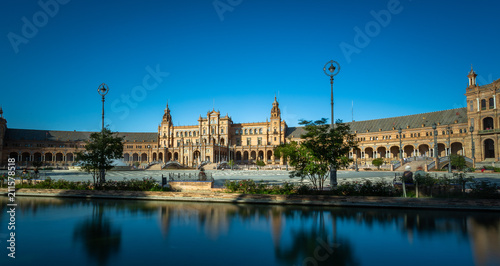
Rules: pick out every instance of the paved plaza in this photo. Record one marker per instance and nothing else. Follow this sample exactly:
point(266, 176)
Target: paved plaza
point(220, 176)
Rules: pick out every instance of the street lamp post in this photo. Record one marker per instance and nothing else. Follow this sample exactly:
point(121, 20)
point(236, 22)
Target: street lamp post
point(103, 89)
point(400, 146)
point(471, 129)
point(448, 128)
point(332, 71)
point(436, 157)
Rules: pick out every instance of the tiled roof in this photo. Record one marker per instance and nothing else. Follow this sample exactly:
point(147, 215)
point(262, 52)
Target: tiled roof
point(53, 135)
point(387, 124)
point(494, 85)
point(413, 121)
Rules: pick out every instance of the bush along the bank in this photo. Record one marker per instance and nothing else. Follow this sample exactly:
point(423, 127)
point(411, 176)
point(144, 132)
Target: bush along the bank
point(367, 188)
point(456, 185)
point(145, 184)
point(251, 187)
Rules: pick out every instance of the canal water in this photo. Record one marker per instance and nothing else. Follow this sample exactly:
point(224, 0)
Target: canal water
point(51, 231)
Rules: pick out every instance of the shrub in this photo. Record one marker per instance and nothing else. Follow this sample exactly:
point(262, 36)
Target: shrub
point(484, 189)
point(251, 187)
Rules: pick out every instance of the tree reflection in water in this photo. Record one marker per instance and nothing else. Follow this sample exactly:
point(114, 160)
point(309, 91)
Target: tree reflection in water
point(99, 239)
point(312, 243)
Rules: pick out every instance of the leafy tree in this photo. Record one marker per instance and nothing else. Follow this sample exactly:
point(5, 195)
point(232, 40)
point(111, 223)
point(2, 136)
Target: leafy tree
point(101, 148)
point(378, 162)
point(322, 147)
point(458, 161)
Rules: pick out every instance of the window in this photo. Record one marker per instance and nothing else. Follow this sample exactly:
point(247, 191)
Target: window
point(236, 132)
point(222, 130)
point(246, 132)
point(491, 104)
point(471, 105)
point(260, 130)
point(483, 104)
point(249, 141)
point(177, 134)
point(251, 131)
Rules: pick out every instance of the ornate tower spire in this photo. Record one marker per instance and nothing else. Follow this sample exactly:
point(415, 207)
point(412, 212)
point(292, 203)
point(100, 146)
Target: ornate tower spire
point(472, 77)
point(275, 111)
point(166, 115)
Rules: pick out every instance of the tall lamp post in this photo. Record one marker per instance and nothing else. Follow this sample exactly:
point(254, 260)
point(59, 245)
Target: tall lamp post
point(471, 129)
point(436, 158)
point(332, 71)
point(400, 146)
point(448, 128)
point(103, 89)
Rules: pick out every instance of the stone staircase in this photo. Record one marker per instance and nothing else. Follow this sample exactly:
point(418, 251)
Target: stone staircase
point(157, 166)
point(414, 165)
point(210, 166)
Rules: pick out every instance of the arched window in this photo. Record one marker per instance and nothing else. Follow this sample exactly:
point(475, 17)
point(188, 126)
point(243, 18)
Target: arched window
point(177, 134)
point(246, 131)
point(487, 123)
point(483, 104)
point(491, 104)
point(260, 130)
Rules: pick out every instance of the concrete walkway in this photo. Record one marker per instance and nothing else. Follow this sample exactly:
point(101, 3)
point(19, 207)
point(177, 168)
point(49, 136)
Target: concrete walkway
point(314, 200)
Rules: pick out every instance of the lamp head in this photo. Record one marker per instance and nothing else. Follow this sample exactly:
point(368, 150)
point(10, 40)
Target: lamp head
point(331, 68)
point(471, 129)
point(434, 126)
point(103, 89)
point(400, 130)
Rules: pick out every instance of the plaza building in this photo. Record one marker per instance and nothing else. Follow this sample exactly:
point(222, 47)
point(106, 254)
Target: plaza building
point(472, 131)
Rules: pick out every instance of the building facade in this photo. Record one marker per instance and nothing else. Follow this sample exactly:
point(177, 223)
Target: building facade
point(216, 138)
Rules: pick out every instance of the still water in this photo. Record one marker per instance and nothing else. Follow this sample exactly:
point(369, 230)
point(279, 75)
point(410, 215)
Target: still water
point(52, 231)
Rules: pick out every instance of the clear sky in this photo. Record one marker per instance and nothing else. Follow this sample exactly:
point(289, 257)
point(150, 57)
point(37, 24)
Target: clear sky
point(397, 58)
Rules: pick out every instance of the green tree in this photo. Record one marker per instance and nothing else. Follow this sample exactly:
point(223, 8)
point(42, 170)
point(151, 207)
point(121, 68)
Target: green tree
point(378, 162)
point(458, 161)
point(101, 148)
point(322, 147)
point(260, 163)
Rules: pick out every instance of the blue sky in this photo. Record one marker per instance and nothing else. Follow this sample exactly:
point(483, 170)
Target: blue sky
point(397, 58)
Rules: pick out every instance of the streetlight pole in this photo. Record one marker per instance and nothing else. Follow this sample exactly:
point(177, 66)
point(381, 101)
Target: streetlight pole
point(103, 89)
point(448, 128)
point(400, 146)
point(471, 129)
point(436, 155)
point(334, 70)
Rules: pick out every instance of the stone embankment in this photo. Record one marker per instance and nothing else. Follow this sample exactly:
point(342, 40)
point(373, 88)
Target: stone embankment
point(217, 195)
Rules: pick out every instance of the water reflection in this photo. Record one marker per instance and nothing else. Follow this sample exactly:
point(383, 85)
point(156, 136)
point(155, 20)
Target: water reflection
point(98, 235)
point(108, 231)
